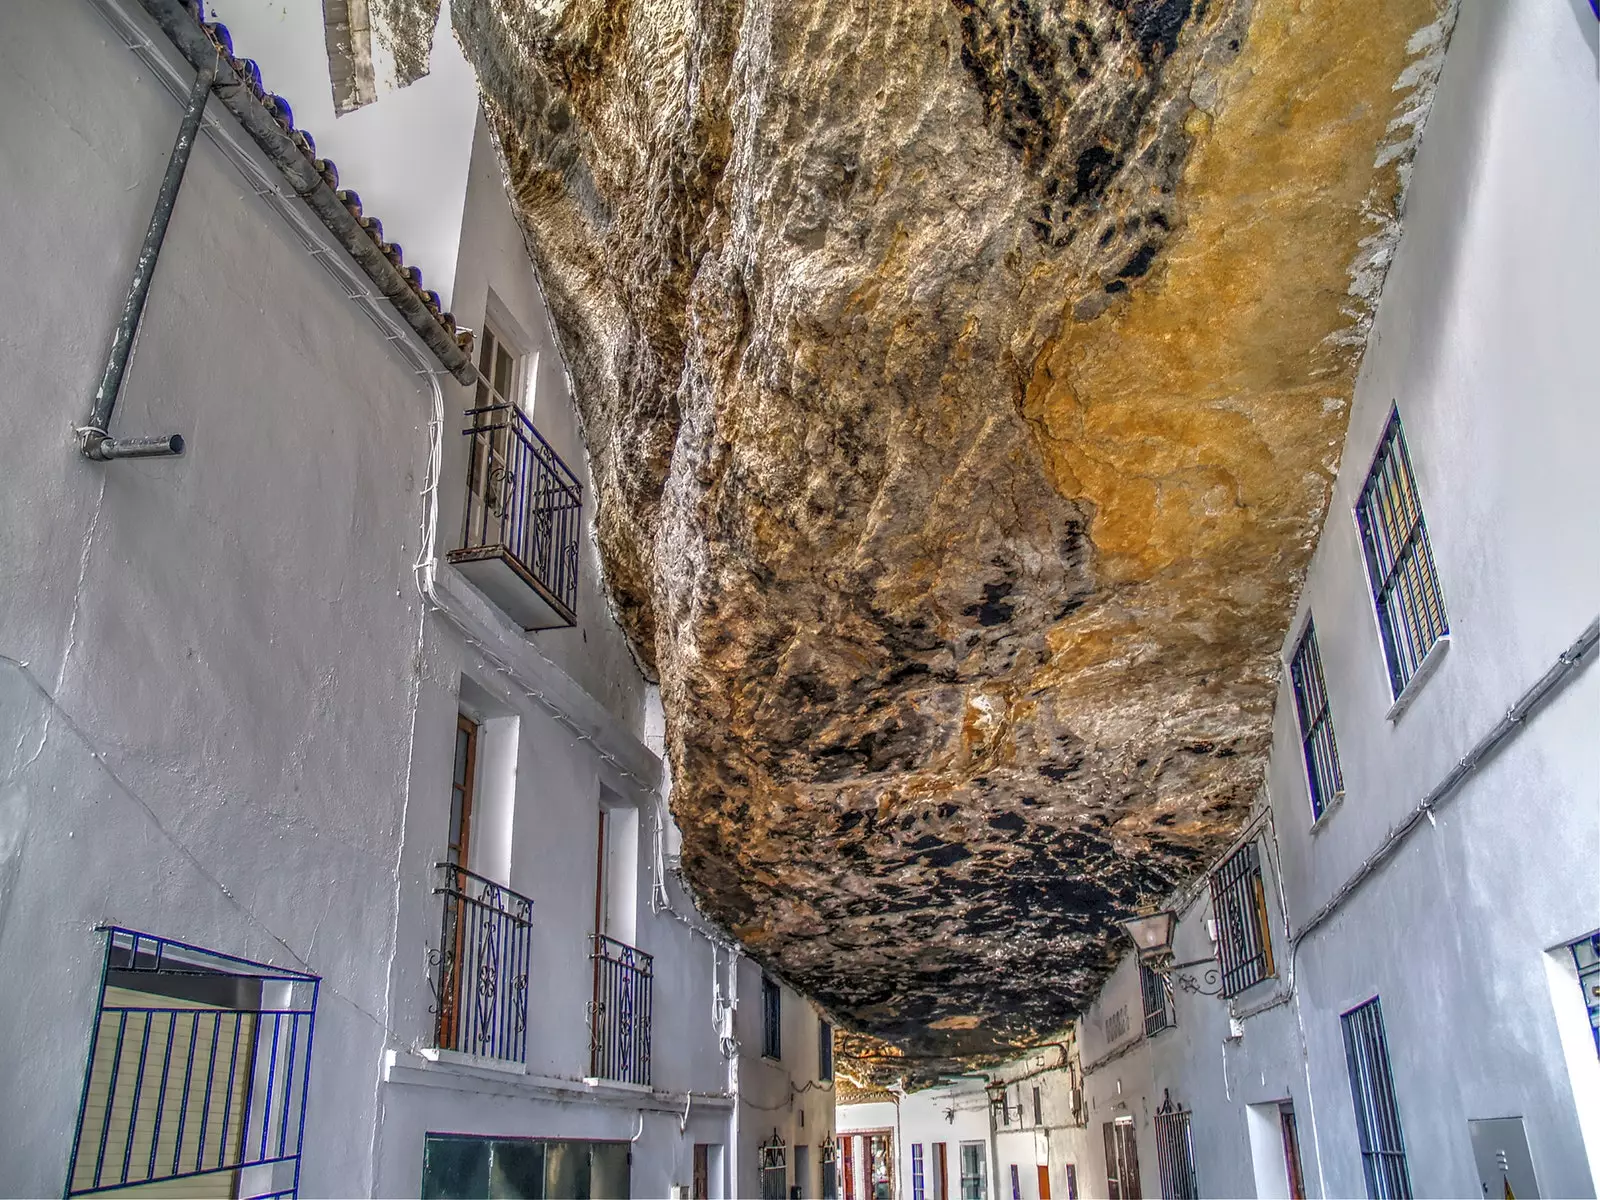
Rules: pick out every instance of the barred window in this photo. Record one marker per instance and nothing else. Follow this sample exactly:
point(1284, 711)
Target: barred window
point(1175, 1152)
point(1405, 583)
point(1383, 1150)
point(1316, 724)
point(771, 1018)
point(1239, 903)
point(918, 1185)
point(1157, 991)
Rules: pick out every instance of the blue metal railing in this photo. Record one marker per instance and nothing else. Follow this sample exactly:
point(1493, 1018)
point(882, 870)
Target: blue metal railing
point(480, 980)
point(523, 499)
point(199, 1064)
point(619, 1027)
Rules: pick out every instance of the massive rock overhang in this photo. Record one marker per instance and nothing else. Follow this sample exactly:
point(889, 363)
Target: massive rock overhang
point(963, 382)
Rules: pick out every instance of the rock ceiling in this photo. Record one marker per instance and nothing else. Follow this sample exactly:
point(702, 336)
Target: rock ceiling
point(963, 382)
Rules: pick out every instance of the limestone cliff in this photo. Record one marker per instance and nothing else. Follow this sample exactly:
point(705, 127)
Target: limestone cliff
point(964, 381)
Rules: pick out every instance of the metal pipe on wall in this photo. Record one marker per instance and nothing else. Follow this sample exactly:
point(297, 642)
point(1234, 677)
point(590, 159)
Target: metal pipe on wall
point(94, 440)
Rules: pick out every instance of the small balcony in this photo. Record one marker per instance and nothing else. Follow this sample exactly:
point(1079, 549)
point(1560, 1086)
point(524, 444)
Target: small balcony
point(619, 1019)
point(480, 970)
point(519, 544)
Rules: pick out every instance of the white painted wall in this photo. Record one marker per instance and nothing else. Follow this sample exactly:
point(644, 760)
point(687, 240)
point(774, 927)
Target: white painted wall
point(210, 734)
point(406, 154)
point(783, 1096)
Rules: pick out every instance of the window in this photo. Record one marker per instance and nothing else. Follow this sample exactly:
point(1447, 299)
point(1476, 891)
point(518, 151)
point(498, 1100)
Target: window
point(455, 849)
point(918, 1182)
point(499, 370)
point(1383, 1151)
point(198, 1067)
point(1316, 724)
point(1156, 989)
point(1586, 954)
point(824, 1050)
point(1016, 1183)
point(973, 1178)
point(1175, 1152)
point(1038, 1107)
point(1239, 902)
point(1405, 583)
point(460, 1165)
point(771, 1018)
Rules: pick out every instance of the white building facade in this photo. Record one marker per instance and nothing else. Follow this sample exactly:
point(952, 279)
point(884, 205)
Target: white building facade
point(1377, 991)
point(333, 826)
point(1016, 1131)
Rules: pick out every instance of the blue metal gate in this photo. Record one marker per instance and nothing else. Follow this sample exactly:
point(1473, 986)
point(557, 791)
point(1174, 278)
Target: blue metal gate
point(198, 1067)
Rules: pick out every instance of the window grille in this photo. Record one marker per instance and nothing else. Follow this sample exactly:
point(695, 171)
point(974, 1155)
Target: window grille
point(774, 1168)
point(1586, 953)
point(198, 1068)
point(1239, 902)
point(824, 1050)
point(1175, 1152)
point(1383, 1151)
point(1316, 724)
point(771, 1018)
point(918, 1183)
point(1405, 582)
point(1156, 989)
point(1116, 1025)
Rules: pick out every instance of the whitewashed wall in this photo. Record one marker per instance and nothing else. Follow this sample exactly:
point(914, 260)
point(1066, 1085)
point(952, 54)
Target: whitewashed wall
point(232, 633)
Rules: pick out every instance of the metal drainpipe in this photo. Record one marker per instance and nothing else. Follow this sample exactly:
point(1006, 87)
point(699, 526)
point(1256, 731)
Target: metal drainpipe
point(93, 439)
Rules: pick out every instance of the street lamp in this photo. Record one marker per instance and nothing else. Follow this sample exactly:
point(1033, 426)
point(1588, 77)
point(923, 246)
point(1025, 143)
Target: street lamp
point(1152, 934)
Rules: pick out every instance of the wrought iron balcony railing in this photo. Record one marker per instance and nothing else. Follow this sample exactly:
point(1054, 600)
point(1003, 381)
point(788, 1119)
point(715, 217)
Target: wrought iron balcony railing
point(619, 1018)
point(480, 976)
point(519, 544)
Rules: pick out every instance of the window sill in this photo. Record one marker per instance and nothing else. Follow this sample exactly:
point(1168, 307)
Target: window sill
point(1425, 669)
point(1328, 809)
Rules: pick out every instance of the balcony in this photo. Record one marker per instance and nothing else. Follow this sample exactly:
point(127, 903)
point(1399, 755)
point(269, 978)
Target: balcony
point(619, 1019)
point(480, 970)
point(519, 544)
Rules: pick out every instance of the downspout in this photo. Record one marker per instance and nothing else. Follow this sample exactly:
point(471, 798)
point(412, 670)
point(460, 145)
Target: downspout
point(994, 1145)
point(93, 439)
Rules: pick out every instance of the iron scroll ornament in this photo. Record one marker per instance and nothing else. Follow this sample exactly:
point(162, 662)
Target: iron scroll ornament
point(1209, 982)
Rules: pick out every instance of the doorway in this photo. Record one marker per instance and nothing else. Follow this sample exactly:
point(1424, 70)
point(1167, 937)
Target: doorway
point(1122, 1160)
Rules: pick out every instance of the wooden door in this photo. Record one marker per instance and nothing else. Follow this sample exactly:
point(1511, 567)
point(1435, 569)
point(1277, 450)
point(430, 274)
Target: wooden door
point(458, 838)
point(1122, 1161)
point(941, 1171)
point(1128, 1156)
point(702, 1172)
point(1044, 1179)
point(1291, 1152)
